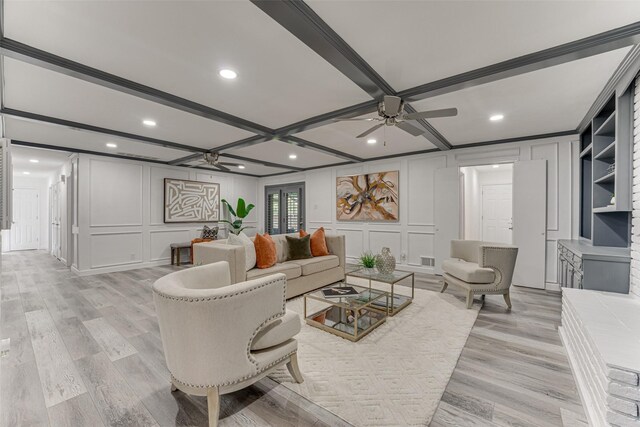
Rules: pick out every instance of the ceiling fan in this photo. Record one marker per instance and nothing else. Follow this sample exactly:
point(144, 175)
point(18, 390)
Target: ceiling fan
point(213, 159)
point(391, 112)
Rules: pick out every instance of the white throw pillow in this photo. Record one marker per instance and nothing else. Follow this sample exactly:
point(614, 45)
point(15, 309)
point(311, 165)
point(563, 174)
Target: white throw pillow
point(249, 249)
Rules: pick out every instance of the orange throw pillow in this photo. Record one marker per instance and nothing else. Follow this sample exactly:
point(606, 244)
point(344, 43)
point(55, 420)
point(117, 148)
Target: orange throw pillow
point(318, 242)
point(266, 255)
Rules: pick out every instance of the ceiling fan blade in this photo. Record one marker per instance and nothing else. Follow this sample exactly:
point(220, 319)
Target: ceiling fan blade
point(235, 165)
point(371, 130)
point(222, 168)
point(371, 119)
point(392, 105)
point(432, 114)
point(413, 130)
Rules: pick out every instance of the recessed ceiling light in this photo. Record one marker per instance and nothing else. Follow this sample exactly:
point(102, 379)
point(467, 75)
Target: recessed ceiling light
point(371, 141)
point(496, 117)
point(228, 74)
point(26, 173)
point(34, 161)
point(112, 145)
point(149, 122)
point(496, 166)
point(240, 166)
point(293, 156)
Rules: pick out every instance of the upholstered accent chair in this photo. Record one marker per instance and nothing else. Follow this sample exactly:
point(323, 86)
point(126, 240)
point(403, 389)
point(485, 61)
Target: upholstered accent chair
point(218, 337)
point(480, 268)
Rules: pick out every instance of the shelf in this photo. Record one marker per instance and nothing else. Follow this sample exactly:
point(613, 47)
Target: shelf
point(608, 153)
point(605, 209)
point(608, 127)
point(586, 150)
point(607, 179)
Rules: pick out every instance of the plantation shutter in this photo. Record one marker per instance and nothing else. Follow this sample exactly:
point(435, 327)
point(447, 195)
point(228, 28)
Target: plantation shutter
point(273, 212)
point(293, 212)
point(284, 208)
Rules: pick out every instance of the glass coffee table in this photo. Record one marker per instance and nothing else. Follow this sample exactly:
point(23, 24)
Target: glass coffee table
point(351, 317)
point(397, 301)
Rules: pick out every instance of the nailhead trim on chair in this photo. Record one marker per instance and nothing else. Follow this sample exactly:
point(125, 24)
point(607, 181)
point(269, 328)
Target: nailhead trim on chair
point(255, 332)
point(228, 383)
point(496, 269)
point(246, 291)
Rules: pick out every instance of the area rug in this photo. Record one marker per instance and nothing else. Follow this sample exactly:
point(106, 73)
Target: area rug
point(394, 376)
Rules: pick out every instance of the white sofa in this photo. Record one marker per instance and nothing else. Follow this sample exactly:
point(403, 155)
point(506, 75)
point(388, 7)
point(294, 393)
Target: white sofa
point(219, 338)
point(302, 275)
point(480, 268)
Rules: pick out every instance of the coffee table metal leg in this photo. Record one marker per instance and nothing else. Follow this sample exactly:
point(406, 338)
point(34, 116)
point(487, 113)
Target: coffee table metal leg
point(413, 285)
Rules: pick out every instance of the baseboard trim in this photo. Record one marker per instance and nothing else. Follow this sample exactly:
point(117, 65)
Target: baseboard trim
point(550, 286)
point(117, 268)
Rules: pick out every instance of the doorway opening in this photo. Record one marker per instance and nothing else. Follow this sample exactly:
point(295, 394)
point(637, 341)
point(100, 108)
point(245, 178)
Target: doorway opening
point(487, 212)
point(42, 202)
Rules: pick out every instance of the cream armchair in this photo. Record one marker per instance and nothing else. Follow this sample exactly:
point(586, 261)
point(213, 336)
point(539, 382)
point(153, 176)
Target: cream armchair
point(218, 337)
point(480, 268)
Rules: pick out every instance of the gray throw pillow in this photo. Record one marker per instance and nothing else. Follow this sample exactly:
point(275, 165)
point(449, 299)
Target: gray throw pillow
point(299, 247)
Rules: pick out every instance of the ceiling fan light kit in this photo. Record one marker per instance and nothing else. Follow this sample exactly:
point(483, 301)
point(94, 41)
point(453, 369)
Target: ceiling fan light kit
point(213, 159)
point(391, 113)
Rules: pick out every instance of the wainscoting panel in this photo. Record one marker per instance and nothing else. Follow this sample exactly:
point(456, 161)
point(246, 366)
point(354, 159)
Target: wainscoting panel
point(247, 188)
point(319, 189)
point(115, 193)
point(156, 190)
point(386, 238)
point(116, 248)
point(420, 189)
point(552, 261)
point(354, 241)
point(160, 241)
point(419, 244)
point(549, 152)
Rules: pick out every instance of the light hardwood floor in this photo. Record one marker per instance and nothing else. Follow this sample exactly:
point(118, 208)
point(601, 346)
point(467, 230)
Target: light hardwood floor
point(86, 351)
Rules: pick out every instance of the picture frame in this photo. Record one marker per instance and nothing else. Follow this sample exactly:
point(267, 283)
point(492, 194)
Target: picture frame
point(187, 201)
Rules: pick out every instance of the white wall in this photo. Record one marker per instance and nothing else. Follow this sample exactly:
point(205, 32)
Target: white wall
point(120, 215)
point(413, 236)
point(42, 185)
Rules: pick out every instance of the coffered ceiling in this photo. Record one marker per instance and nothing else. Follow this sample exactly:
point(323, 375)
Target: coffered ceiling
point(77, 75)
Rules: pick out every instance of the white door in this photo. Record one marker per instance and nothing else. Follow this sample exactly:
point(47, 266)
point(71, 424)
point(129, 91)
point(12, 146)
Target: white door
point(447, 213)
point(497, 210)
point(25, 231)
point(530, 222)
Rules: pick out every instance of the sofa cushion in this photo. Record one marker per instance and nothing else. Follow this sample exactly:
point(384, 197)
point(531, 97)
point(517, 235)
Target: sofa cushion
point(288, 269)
point(278, 331)
point(316, 264)
point(250, 250)
point(318, 242)
point(299, 247)
point(468, 272)
point(266, 254)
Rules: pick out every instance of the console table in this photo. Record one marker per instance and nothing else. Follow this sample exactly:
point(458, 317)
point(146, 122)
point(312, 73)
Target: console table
point(601, 268)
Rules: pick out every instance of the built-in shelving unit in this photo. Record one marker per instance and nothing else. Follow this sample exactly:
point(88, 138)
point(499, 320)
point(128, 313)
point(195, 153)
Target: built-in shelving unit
point(605, 174)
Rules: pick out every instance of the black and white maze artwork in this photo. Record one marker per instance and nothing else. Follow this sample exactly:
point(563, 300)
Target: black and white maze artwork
point(191, 201)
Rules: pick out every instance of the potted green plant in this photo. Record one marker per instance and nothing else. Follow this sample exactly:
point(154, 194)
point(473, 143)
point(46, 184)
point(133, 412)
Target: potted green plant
point(238, 214)
point(367, 261)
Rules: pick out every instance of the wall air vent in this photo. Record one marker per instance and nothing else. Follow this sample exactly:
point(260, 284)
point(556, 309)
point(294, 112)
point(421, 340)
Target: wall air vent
point(137, 156)
point(427, 261)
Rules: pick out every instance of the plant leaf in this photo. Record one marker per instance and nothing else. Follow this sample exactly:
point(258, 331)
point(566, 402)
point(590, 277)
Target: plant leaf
point(241, 208)
point(231, 211)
